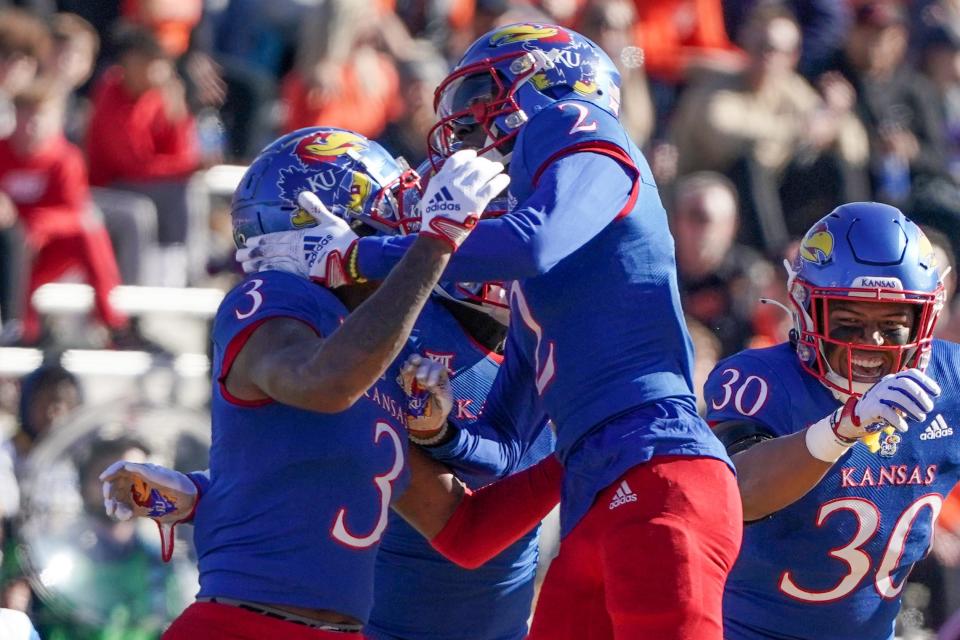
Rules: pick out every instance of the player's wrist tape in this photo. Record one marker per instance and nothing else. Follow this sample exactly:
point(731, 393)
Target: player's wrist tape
point(429, 442)
point(353, 268)
point(823, 443)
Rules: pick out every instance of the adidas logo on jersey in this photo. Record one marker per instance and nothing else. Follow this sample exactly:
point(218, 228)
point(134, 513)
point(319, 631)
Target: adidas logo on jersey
point(623, 496)
point(937, 429)
point(442, 201)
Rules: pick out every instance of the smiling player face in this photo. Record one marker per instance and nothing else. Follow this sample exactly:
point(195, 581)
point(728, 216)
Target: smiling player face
point(872, 324)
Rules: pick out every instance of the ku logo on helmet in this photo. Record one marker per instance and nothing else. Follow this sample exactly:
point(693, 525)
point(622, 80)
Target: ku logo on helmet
point(526, 32)
point(817, 245)
point(327, 146)
point(928, 256)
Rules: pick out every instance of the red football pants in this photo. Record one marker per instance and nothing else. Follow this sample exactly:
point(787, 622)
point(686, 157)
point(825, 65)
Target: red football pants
point(215, 621)
point(90, 250)
point(652, 568)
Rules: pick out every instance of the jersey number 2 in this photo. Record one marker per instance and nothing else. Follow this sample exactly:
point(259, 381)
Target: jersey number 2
point(384, 486)
point(857, 560)
point(578, 126)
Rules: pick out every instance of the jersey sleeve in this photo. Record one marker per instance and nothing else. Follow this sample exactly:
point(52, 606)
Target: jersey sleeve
point(262, 297)
point(742, 387)
point(576, 197)
point(508, 425)
point(496, 516)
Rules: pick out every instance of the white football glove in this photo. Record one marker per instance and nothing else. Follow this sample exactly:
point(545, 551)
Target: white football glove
point(894, 399)
point(149, 491)
point(429, 400)
point(319, 253)
point(457, 195)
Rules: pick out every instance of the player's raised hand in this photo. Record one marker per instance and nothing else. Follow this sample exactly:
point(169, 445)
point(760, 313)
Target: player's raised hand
point(429, 400)
point(149, 491)
point(457, 195)
point(892, 402)
point(895, 399)
point(319, 253)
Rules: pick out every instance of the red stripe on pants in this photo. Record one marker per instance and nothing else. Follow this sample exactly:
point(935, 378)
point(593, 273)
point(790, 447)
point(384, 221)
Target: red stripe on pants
point(215, 621)
point(653, 568)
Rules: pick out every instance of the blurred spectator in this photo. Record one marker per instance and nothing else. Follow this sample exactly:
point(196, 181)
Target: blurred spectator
point(680, 38)
point(119, 587)
point(142, 138)
point(45, 178)
point(903, 117)
point(948, 327)
point(47, 396)
point(785, 147)
point(906, 131)
point(609, 23)
point(170, 22)
point(940, 63)
point(132, 221)
point(419, 76)
point(24, 44)
point(720, 281)
point(707, 353)
point(435, 20)
point(823, 23)
point(75, 48)
point(341, 79)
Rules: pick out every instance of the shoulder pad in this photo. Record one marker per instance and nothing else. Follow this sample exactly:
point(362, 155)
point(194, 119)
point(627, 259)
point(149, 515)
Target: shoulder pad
point(566, 125)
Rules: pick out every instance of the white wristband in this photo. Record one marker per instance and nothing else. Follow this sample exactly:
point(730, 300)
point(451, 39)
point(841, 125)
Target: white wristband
point(428, 442)
point(823, 444)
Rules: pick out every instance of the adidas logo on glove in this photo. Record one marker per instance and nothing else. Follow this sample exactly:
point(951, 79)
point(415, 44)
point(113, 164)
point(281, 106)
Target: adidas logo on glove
point(442, 201)
point(937, 428)
point(312, 246)
point(623, 496)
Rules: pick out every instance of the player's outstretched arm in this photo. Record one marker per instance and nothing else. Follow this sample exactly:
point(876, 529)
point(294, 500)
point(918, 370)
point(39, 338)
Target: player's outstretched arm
point(576, 197)
point(284, 361)
point(776, 472)
point(470, 528)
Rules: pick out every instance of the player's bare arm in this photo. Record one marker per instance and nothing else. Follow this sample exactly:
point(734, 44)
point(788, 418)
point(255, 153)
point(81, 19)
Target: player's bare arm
point(285, 360)
point(331, 373)
point(773, 473)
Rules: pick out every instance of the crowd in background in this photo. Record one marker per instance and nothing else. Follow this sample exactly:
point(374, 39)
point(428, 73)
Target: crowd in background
point(757, 118)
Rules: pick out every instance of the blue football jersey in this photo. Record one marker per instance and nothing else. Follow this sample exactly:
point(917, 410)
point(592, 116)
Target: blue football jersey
point(602, 331)
point(489, 603)
point(596, 325)
point(833, 564)
point(297, 500)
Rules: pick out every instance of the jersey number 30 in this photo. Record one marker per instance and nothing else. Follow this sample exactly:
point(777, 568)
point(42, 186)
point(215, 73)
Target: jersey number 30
point(857, 560)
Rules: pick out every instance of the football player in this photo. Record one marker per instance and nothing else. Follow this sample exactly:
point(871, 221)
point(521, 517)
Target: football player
point(367, 187)
point(835, 524)
point(650, 516)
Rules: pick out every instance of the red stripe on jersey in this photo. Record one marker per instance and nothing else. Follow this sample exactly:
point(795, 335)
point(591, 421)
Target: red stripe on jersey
point(606, 149)
point(237, 343)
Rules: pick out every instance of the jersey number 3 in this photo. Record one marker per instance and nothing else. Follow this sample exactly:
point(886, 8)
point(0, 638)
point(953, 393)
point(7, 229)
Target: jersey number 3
point(384, 486)
point(857, 560)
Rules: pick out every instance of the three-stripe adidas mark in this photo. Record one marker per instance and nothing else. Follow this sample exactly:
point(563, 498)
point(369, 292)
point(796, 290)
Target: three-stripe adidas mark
point(442, 201)
point(312, 245)
point(623, 495)
point(937, 428)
